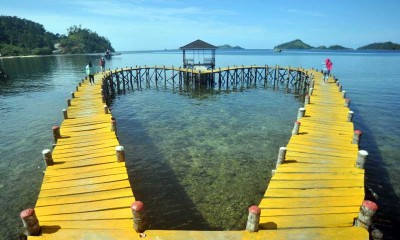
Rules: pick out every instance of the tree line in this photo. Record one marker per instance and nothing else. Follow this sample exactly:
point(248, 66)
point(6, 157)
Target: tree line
point(24, 37)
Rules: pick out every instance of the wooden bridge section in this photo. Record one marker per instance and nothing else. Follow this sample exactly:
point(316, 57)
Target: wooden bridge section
point(86, 193)
point(315, 193)
point(317, 186)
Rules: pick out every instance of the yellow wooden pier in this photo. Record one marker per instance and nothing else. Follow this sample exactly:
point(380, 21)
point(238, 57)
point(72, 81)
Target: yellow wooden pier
point(315, 194)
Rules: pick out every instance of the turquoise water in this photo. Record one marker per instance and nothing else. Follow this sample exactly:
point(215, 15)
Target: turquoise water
point(207, 157)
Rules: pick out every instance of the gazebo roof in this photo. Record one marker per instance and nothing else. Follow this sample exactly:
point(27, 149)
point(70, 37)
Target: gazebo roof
point(198, 44)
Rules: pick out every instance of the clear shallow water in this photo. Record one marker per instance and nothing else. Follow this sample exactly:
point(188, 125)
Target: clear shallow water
point(226, 145)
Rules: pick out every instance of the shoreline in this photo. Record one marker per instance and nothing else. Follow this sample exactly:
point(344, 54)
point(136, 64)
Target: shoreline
point(50, 55)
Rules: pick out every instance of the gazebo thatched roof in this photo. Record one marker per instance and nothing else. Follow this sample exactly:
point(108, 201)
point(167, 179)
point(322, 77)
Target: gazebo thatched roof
point(198, 45)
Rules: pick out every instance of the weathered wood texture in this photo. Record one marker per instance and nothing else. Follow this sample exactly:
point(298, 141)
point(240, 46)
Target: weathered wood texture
point(86, 190)
point(315, 194)
point(317, 187)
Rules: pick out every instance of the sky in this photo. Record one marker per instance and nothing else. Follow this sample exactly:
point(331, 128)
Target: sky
point(252, 24)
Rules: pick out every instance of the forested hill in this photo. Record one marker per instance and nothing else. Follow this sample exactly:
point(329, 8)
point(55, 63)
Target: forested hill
point(24, 37)
point(82, 40)
point(381, 46)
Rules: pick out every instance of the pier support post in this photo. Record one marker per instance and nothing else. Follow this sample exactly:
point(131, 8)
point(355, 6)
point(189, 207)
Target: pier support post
point(48, 157)
point(68, 102)
point(120, 153)
point(77, 89)
point(361, 158)
point(106, 110)
point(137, 208)
point(301, 113)
point(310, 91)
point(253, 220)
point(30, 222)
point(296, 128)
point(72, 95)
point(376, 234)
point(56, 133)
point(65, 113)
point(350, 116)
point(344, 94)
point(307, 99)
point(113, 125)
point(367, 210)
point(356, 137)
point(347, 102)
point(340, 87)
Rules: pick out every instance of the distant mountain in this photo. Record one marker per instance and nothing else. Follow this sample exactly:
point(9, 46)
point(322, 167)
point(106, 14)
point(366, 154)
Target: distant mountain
point(295, 44)
point(24, 37)
point(227, 46)
point(298, 44)
point(381, 46)
point(333, 47)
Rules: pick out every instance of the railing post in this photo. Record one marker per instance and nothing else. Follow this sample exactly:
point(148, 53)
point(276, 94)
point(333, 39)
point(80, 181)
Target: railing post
point(137, 208)
point(120, 152)
point(280, 160)
point(296, 128)
point(361, 158)
point(30, 222)
point(347, 102)
point(301, 113)
point(65, 113)
point(307, 99)
point(367, 210)
point(48, 157)
point(253, 220)
point(350, 116)
point(56, 133)
point(113, 125)
point(356, 137)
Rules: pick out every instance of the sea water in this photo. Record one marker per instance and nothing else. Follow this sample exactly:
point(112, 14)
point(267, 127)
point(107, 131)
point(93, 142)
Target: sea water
point(197, 161)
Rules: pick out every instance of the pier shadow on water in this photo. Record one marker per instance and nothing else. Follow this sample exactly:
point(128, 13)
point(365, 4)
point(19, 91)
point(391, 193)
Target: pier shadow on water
point(378, 187)
point(198, 161)
point(167, 205)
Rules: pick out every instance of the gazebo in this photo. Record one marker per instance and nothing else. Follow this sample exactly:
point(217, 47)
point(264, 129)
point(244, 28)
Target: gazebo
point(199, 54)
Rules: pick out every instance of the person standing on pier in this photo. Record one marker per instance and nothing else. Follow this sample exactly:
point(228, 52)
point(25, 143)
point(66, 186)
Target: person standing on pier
point(102, 64)
point(327, 68)
point(90, 72)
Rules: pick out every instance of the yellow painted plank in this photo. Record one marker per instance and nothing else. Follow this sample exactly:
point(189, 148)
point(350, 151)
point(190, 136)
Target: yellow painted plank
point(85, 181)
point(269, 212)
point(308, 168)
point(83, 175)
point(84, 189)
point(316, 176)
point(84, 197)
point(288, 234)
point(52, 171)
point(86, 207)
point(315, 192)
point(316, 184)
point(310, 202)
point(308, 221)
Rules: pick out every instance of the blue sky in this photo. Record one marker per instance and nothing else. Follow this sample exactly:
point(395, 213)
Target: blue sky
point(170, 24)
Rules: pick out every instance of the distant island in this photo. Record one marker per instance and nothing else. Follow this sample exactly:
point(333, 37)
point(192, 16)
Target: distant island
point(24, 37)
point(298, 44)
point(227, 46)
point(381, 46)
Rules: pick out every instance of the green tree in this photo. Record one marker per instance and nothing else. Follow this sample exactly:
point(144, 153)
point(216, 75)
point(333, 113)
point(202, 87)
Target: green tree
point(82, 40)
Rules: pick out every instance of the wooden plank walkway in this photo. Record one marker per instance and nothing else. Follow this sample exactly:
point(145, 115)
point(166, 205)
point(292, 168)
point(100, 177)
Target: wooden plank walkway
point(318, 186)
point(315, 194)
point(86, 189)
